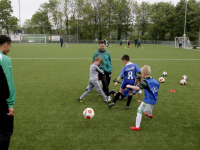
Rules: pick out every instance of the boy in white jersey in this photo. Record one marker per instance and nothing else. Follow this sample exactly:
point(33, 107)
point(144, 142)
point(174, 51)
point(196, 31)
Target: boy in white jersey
point(93, 81)
point(129, 74)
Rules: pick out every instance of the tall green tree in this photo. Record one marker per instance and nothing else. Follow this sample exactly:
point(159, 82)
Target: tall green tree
point(7, 21)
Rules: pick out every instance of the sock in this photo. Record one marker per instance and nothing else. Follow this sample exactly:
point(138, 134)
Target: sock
point(129, 100)
point(138, 120)
point(116, 97)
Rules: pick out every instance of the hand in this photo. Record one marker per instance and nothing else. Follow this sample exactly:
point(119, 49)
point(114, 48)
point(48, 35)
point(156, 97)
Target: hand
point(138, 100)
point(11, 111)
point(116, 83)
point(128, 86)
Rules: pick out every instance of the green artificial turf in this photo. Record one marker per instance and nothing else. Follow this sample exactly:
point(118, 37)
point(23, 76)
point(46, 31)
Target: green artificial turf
point(49, 80)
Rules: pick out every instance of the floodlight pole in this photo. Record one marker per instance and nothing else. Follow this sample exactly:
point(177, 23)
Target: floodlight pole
point(19, 15)
point(199, 36)
point(185, 22)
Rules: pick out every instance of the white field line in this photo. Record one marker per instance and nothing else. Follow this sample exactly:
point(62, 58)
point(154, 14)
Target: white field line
point(91, 59)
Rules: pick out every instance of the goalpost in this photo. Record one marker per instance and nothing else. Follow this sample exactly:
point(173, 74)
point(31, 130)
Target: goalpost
point(184, 41)
point(33, 38)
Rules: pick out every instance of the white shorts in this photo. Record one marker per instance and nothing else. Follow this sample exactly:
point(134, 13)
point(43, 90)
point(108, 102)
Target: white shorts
point(145, 107)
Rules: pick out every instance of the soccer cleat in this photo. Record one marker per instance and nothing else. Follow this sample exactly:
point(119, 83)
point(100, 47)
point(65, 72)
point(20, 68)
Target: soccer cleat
point(111, 105)
point(134, 128)
point(109, 98)
point(146, 114)
point(112, 92)
point(80, 100)
point(127, 107)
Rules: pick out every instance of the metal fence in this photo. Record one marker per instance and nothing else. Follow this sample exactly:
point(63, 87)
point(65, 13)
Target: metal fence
point(74, 39)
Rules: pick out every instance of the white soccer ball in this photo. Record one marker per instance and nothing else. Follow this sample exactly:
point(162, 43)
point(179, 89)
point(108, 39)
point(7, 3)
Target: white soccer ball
point(164, 73)
point(184, 77)
point(88, 113)
point(183, 82)
point(161, 79)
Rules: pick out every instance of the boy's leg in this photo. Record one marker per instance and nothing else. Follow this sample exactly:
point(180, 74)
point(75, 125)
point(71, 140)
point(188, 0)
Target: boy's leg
point(99, 89)
point(129, 99)
point(91, 86)
point(140, 110)
point(149, 111)
point(116, 98)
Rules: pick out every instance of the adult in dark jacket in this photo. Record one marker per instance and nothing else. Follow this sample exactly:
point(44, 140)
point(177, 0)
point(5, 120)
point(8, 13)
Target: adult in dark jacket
point(61, 41)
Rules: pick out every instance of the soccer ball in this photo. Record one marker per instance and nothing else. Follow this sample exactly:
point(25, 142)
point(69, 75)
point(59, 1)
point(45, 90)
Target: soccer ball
point(161, 79)
point(88, 113)
point(183, 82)
point(164, 73)
point(184, 77)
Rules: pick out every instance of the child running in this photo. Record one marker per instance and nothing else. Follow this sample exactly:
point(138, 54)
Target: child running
point(93, 81)
point(129, 74)
point(151, 87)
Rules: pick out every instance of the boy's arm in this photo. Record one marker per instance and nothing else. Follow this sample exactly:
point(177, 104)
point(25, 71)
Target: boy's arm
point(138, 70)
point(119, 77)
point(133, 87)
point(99, 70)
point(141, 85)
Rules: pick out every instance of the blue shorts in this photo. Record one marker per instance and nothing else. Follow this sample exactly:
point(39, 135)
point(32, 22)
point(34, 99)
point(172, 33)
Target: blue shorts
point(126, 82)
point(126, 92)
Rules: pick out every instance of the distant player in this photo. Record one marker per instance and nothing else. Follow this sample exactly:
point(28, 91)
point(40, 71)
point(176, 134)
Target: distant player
point(180, 44)
point(136, 42)
point(129, 74)
point(61, 41)
point(128, 44)
point(93, 81)
point(139, 42)
point(105, 41)
point(120, 42)
point(151, 87)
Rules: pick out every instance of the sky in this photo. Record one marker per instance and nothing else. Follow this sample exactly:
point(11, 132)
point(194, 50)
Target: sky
point(29, 7)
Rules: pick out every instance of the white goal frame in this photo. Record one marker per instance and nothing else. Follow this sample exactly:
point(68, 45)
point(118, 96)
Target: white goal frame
point(186, 45)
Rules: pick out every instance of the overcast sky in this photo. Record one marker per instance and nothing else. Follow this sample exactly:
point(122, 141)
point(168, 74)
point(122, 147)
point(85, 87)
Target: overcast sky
point(29, 7)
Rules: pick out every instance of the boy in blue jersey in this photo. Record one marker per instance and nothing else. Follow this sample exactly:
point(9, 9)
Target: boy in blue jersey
point(129, 74)
point(151, 87)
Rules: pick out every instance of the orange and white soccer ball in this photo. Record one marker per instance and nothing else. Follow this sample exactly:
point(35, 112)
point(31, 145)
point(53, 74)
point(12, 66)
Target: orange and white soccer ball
point(161, 79)
point(184, 77)
point(88, 113)
point(183, 82)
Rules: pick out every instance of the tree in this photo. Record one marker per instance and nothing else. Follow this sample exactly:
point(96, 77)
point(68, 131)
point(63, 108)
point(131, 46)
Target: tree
point(162, 20)
point(142, 19)
point(7, 20)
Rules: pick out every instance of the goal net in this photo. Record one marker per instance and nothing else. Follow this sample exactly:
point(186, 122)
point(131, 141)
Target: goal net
point(33, 38)
point(184, 41)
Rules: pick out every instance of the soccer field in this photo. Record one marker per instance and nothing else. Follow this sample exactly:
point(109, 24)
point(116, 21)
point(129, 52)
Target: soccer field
point(49, 80)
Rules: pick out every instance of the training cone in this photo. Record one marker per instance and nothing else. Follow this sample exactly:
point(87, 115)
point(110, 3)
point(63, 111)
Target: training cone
point(172, 90)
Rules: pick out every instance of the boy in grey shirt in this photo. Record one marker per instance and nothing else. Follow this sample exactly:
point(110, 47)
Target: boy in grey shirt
point(93, 81)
